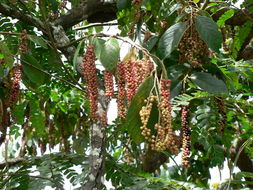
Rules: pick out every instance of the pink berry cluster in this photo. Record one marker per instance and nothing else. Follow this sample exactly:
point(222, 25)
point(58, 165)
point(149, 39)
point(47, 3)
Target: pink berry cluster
point(136, 2)
point(90, 77)
point(108, 80)
point(130, 75)
point(121, 89)
point(15, 85)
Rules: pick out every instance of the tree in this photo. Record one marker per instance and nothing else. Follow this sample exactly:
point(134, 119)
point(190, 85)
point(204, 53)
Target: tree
point(183, 89)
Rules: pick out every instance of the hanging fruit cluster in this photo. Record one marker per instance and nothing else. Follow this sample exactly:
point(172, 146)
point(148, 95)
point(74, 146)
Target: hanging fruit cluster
point(90, 77)
point(121, 89)
point(192, 48)
point(130, 75)
point(23, 47)
point(186, 136)
point(222, 111)
point(164, 138)
point(108, 78)
point(15, 85)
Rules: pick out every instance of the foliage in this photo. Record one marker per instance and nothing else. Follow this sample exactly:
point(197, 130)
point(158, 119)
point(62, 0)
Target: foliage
point(52, 112)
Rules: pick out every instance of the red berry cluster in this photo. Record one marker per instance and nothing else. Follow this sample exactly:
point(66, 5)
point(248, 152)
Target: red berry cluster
point(121, 89)
point(109, 88)
point(130, 75)
point(89, 73)
point(136, 2)
point(131, 80)
point(15, 85)
point(104, 118)
point(186, 144)
point(23, 43)
point(136, 72)
point(166, 134)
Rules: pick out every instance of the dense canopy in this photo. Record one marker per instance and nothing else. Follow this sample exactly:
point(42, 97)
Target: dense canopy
point(178, 73)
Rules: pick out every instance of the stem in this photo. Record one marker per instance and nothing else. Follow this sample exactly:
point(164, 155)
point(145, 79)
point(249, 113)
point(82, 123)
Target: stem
point(71, 84)
point(96, 24)
point(144, 50)
point(53, 44)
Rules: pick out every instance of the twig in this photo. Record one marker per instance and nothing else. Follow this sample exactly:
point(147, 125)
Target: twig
point(144, 50)
point(96, 24)
point(54, 45)
point(38, 177)
point(71, 84)
point(236, 159)
point(11, 33)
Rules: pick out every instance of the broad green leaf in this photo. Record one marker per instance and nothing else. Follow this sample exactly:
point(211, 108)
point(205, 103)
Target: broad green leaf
point(208, 31)
point(209, 83)
point(8, 57)
point(196, 1)
point(109, 55)
point(18, 113)
point(244, 174)
point(98, 45)
point(150, 43)
point(1, 72)
point(76, 55)
point(37, 40)
point(227, 15)
point(170, 39)
point(240, 36)
point(133, 122)
point(31, 69)
point(37, 119)
point(123, 4)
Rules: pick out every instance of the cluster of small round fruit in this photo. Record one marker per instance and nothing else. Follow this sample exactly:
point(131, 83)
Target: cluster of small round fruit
point(121, 89)
point(164, 137)
point(136, 2)
point(144, 115)
point(186, 135)
point(90, 77)
point(222, 111)
point(23, 48)
point(130, 75)
point(109, 88)
point(15, 85)
point(192, 47)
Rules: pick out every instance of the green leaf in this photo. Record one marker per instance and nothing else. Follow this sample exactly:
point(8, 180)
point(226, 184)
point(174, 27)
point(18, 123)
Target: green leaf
point(150, 43)
point(227, 15)
point(244, 174)
point(133, 122)
point(196, 1)
point(31, 72)
point(37, 119)
point(1, 72)
point(209, 83)
point(98, 45)
point(170, 39)
point(208, 31)
point(123, 4)
point(76, 54)
point(37, 40)
point(110, 54)
point(8, 57)
point(19, 112)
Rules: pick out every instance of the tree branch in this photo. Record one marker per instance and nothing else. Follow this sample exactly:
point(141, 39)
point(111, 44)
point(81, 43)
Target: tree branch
point(92, 10)
point(239, 18)
point(96, 24)
point(17, 14)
